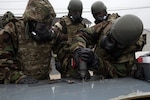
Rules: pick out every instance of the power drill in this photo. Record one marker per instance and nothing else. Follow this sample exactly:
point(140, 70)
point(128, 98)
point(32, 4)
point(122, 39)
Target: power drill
point(83, 69)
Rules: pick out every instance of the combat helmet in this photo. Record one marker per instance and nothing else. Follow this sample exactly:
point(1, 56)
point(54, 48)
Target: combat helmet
point(127, 29)
point(7, 17)
point(40, 11)
point(98, 6)
point(75, 5)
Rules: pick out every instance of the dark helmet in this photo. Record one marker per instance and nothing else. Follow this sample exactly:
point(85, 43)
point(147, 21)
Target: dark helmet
point(75, 11)
point(7, 17)
point(99, 12)
point(98, 6)
point(75, 5)
point(40, 11)
point(127, 29)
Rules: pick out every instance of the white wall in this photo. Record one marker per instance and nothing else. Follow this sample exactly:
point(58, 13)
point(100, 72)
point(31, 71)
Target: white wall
point(141, 8)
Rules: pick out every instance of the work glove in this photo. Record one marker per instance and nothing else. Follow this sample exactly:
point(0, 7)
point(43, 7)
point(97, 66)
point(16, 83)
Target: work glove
point(27, 80)
point(84, 54)
point(87, 56)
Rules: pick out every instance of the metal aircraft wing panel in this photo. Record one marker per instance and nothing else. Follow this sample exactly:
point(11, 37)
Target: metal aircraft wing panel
point(92, 90)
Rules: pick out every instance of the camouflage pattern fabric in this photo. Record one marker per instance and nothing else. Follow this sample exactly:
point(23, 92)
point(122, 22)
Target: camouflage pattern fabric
point(11, 65)
point(67, 30)
point(17, 47)
point(36, 55)
point(39, 10)
point(7, 17)
point(110, 67)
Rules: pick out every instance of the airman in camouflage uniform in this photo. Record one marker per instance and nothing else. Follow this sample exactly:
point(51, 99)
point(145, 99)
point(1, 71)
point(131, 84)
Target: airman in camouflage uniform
point(11, 65)
point(99, 11)
point(25, 44)
point(67, 26)
point(116, 42)
point(34, 41)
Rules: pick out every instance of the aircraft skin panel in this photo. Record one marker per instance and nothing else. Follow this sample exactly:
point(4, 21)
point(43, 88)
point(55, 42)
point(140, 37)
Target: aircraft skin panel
point(92, 90)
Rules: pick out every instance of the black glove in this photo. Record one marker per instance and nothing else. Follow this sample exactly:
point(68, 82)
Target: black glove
point(86, 55)
point(27, 80)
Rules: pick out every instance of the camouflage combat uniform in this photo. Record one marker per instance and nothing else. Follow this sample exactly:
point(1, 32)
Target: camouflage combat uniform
point(109, 66)
point(67, 30)
point(16, 42)
point(11, 64)
point(36, 55)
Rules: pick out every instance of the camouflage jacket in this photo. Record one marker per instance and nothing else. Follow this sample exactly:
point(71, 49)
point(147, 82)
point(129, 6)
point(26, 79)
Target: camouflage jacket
point(18, 51)
point(35, 55)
